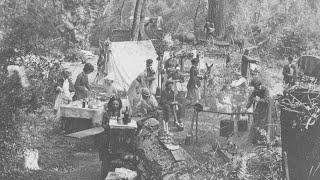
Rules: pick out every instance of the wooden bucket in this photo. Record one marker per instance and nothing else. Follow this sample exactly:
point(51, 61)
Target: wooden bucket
point(226, 128)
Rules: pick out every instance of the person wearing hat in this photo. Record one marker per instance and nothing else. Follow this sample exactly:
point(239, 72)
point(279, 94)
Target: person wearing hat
point(168, 102)
point(82, 85)
point(194, 83)
point(289, 73)
point(262, 111)
point(147, 104)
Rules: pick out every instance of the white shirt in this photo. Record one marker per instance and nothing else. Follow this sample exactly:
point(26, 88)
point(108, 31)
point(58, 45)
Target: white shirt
point(66, 91)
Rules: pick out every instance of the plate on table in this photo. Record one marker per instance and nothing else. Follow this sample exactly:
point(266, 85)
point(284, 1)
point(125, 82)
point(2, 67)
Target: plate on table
point(93, 107)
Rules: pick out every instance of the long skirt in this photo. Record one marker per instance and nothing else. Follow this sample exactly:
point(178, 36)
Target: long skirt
point(261, 120)
point(193, 94)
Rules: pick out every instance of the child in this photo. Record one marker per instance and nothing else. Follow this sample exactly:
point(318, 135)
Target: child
point(63, 88)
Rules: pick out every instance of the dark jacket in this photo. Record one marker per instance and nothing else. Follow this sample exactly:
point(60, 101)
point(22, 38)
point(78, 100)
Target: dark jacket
point(287, 77)
point(245, 61)
point(71, 86)
point(167, 97)
point(262, 93)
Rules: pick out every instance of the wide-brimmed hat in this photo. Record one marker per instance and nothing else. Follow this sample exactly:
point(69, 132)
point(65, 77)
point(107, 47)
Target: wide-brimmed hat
point(145, 92)
point(168, 82)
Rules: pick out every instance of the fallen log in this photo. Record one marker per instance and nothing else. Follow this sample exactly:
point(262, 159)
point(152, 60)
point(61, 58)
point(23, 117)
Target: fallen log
point(156, 161)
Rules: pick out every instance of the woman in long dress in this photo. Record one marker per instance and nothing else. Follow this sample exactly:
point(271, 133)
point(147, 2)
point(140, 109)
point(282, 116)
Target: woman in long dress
point(194, 83)
point(82, 85)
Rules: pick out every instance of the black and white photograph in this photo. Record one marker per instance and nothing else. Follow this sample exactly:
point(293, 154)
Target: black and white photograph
point(159, 90)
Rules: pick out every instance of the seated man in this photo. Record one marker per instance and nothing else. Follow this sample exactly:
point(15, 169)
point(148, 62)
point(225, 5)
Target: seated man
point(147, 105)
point(168, 104)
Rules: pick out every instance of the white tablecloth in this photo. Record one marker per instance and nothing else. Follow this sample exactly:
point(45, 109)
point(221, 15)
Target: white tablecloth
point(114, 125)
point(75, 110)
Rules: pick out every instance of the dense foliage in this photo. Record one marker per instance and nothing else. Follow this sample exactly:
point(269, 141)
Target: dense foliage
point(38, 34)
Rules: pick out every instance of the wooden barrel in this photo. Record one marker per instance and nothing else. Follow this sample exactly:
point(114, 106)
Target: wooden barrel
point(243, 123)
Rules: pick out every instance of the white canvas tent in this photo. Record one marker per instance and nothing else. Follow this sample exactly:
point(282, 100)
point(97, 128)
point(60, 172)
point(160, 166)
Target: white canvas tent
point(128, 60)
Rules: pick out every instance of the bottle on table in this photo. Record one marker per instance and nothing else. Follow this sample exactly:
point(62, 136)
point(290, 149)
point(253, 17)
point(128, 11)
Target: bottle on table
point(83, 103)
point(126, 118)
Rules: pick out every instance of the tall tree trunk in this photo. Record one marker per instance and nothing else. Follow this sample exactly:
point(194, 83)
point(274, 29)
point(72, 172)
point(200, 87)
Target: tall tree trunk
point(121, 12)
point(216, 14)
point(313, 4)
point(136, 21)
point(195, 17)
point(142, 34)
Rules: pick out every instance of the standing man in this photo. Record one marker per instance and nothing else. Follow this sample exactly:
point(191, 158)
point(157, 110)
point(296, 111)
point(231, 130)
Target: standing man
point(289, 73)
point(194, 82)
point(245, 64)
point(262, 110)
point(209, 29)
point(171, 66)
point(150, 73)
point(168, 104)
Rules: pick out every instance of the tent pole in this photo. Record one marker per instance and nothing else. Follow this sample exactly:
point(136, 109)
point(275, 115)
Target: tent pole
point(161, 75)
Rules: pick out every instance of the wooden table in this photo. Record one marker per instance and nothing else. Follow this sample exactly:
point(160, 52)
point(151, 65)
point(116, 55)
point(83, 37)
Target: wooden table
point(75, 118)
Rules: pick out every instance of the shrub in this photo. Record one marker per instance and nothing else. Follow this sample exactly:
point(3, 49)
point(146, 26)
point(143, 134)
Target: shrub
point(10, 150)
point(74, 55)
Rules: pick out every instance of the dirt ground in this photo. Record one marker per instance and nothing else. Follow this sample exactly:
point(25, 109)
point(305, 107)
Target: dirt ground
point(69, 159)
